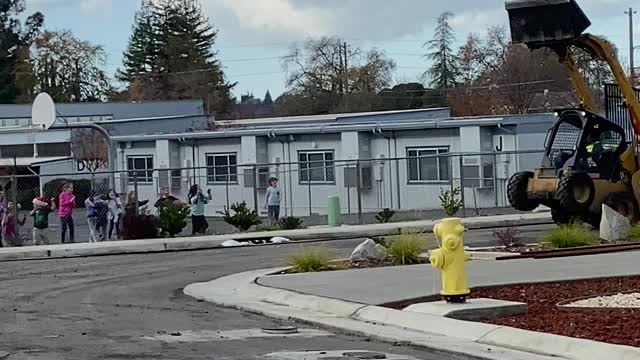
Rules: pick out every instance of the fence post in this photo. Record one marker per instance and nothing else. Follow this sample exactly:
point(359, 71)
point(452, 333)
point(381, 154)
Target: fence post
point(14, 185)
point(309, 188)
point(359, 184)
point(495, 176)
point(398, 183)
point(135, 191)
point(348, 170)
point(255, 188)
point(226, 186)
point(464, 204)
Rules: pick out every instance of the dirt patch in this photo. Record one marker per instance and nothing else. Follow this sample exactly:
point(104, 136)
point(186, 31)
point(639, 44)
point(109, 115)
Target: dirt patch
point(615, 326)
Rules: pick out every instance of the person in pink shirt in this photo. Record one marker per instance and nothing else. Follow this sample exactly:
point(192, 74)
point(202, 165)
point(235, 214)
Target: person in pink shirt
point(66, 204)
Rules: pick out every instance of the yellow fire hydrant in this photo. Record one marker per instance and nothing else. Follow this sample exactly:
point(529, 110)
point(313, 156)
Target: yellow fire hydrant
point(450, 258)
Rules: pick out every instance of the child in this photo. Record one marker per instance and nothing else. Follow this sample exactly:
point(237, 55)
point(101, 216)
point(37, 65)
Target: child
point(9, 226)
point(115, 213)
point(66, 204)
point(40, 213)
point(102, 218)
point(273, 201)
point(197, 200)
point(90, 212)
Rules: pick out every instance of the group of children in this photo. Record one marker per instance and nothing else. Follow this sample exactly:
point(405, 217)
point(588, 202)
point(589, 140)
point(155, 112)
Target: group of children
point(105, 213)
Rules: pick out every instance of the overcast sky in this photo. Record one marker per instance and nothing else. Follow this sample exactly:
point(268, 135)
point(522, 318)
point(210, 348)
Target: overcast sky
point(253, 34)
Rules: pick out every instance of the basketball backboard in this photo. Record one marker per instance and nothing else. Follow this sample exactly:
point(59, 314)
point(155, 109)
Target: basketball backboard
point(43, 112)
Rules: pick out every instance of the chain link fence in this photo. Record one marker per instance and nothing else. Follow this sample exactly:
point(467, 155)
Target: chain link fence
point(410, 186)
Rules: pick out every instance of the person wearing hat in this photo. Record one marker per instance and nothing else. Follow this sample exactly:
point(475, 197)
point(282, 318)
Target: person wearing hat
point(40, 214)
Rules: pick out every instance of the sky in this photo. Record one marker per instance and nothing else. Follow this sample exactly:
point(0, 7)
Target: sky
point(255, 34)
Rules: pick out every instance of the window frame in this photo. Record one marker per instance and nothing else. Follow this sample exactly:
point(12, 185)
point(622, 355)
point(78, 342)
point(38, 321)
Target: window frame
point(440, 150)
point(213, 167)
point(326, 176)
point(148, 179)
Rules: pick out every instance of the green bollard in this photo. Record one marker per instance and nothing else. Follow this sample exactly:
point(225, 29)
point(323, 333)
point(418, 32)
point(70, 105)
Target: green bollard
point(333, 208)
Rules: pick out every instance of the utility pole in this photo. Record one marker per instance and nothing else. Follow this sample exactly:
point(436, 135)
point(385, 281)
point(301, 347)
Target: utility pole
point(346, 77)
point(631, 47)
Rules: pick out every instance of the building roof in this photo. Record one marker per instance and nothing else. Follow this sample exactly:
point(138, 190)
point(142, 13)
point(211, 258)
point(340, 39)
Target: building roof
point(116, 110)
point(326, 124)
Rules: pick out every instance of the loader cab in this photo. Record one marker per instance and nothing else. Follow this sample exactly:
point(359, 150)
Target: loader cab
point(585, 142)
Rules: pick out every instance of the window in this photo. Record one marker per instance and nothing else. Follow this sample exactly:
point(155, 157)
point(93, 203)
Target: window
point(429, 165)
point(316, 167)
point(222, 168)
point(140, 168)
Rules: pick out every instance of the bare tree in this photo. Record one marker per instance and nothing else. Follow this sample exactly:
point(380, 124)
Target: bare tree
point(69, 69)
point(334, 76)
point(89, 149)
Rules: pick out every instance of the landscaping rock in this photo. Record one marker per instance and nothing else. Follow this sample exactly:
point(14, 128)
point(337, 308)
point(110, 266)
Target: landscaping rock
point(613, 301)
point(614, 226)
point(368, 250)
point(233, 243)
point(280, 240)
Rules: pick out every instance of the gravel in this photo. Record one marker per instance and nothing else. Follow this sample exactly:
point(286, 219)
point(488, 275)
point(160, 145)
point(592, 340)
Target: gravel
point(612, 301)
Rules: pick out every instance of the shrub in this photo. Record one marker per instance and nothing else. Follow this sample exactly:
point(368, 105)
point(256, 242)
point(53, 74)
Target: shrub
point(406, 248)
point(385, 216)
point(634, 234)
point(507, 237)
point(451, 201)
point(310, 260)
point(290, 223)
point(571, 235)
point(173, 218)
point(243, 218)
point(265, 228)
point(137, 227)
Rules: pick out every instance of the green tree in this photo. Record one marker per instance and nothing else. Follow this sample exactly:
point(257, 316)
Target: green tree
point(15, 40)
point(70, 69)
point(170, 56)
point(268, 100)
point(443, 71)
point(140, 55)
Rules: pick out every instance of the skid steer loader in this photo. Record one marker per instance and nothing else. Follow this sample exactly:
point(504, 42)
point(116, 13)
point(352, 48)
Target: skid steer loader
point(588, 160)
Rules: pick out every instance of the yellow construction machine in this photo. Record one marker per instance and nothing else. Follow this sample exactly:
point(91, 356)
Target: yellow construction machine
point(589, 160)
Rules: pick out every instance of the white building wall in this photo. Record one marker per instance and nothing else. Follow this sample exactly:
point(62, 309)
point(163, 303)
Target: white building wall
point(390, 184)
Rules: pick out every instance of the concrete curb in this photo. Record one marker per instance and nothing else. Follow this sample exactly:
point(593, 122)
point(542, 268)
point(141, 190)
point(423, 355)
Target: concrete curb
point(241, 291)
point(215, 241)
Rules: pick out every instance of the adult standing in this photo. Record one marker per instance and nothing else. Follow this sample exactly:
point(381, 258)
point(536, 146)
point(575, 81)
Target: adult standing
point(197, 200)
point(115, 213)
point(102, 217)
point(273, 201)
point(66, 204)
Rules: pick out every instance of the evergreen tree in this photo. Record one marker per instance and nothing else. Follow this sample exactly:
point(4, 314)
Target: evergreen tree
point(443, 71)
point(171, 56)
point(268, 100)
point(142, 50)
point(15, 39)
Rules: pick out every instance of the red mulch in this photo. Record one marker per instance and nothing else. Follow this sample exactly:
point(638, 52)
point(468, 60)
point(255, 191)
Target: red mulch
point(615, 326)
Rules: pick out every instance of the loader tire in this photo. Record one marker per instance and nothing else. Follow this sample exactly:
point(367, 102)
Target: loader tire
point(624, 203)
point(576, 192)
point(517, 192)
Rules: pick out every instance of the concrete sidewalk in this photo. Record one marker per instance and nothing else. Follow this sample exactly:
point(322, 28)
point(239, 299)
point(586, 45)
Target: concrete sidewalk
point(209, 242)
point(348, 300)
point(410, 282)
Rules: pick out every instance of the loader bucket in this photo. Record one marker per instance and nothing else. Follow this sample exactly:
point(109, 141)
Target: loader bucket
point(537, 22)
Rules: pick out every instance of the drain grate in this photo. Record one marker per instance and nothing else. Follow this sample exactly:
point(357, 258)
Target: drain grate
point(280, 330)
